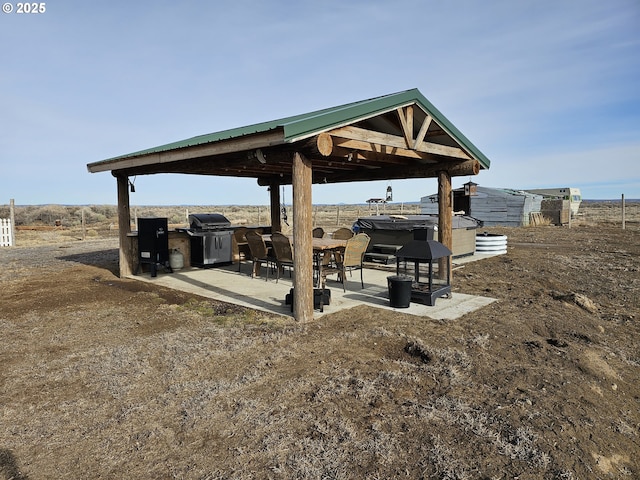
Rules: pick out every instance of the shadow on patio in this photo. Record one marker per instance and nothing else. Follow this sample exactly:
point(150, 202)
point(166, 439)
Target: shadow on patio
point(226, 284)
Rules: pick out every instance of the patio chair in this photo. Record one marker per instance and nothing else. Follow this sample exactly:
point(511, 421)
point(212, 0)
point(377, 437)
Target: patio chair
point(259, 253)
point(318, 232)
point(283, 253)
point(351, 258)
point(244, 253)
point(342, 233)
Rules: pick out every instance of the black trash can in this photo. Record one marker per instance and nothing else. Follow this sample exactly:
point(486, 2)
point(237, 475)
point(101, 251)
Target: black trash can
point(399, 290)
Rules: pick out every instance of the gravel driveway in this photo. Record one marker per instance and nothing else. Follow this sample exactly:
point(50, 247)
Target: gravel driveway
point(31, 260)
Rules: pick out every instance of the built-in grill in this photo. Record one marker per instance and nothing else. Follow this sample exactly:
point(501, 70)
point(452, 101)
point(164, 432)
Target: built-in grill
point(211, 239)
point(422, 252)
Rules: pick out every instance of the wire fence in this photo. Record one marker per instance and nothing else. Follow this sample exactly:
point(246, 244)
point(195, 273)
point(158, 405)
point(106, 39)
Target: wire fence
point(617, 212)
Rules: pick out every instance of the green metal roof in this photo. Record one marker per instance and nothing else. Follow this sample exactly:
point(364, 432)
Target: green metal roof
point(306, 125)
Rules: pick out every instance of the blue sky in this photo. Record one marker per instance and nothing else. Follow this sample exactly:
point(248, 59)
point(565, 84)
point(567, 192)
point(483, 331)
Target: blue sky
point(548, 90)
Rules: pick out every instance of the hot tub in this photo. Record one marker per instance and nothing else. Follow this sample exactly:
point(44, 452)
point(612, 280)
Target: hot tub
point(399, 230)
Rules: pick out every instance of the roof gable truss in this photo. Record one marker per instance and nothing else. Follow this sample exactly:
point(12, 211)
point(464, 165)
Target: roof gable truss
point(406, 137)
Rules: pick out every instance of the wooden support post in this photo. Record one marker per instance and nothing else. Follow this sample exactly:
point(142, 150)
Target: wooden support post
point(445, 221)
point(302, 239)
point(124, 227)
point(274, 202)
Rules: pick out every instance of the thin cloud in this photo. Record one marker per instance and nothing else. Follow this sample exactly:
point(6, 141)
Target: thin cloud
point(538, 86)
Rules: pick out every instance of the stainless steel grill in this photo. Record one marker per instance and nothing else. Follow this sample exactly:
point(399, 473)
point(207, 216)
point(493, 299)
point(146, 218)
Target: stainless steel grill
point(211, 239)
point(208, 221)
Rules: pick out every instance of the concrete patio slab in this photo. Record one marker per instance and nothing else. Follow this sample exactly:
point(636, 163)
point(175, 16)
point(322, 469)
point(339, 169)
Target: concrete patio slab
point(226, 284)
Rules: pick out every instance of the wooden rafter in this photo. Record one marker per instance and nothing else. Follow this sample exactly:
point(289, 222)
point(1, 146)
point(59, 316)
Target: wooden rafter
point(224, 147)
point(406, 121)
point(380, 150)
point(361, 139)
point(364, 172)
point(455, 168)
point(422, 133)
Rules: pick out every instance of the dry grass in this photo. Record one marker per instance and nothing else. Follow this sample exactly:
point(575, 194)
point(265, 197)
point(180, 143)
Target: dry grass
point(101, 220)
point(110, 378)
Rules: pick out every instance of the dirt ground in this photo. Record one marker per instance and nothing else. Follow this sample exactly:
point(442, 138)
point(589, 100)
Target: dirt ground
point(107, 378)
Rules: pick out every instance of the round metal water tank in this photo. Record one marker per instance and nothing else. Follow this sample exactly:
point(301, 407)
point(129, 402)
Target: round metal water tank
point(491, 243)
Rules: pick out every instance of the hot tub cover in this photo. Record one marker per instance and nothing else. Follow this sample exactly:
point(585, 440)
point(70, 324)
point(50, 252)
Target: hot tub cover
point(410, 222)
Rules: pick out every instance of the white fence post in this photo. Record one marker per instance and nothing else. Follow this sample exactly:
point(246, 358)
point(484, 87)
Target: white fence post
point(6, 239)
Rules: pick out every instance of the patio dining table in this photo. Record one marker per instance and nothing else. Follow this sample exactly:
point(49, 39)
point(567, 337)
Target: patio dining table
point(321, 247)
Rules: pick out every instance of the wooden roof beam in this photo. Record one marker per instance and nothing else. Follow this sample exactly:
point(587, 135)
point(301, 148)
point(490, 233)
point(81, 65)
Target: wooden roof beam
point(383, 157)
point(417, 144)
point(379, 151)
point(230, 146)
point(406, 121)
point(360, 139)
point(325, 145)
point(454, 168)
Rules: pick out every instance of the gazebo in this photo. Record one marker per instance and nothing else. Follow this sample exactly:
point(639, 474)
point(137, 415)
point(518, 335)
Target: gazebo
point(397, 136)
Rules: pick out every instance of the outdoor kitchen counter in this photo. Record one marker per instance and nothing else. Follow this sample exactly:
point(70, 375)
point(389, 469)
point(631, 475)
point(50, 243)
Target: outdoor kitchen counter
point(178, 239)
